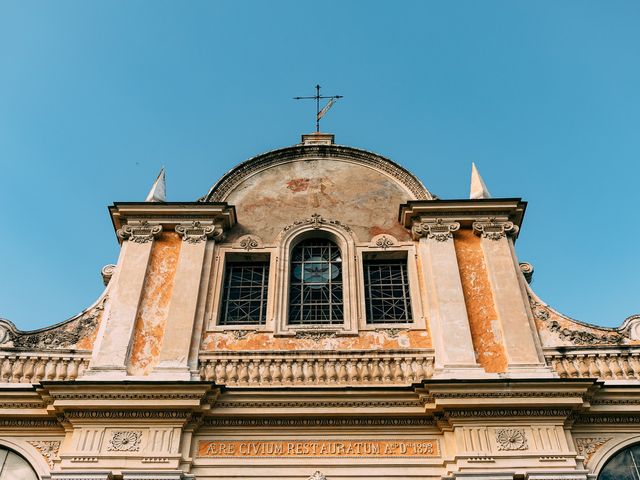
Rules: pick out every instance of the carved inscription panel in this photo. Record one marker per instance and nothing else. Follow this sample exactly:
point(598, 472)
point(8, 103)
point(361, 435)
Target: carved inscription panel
point(319, 448)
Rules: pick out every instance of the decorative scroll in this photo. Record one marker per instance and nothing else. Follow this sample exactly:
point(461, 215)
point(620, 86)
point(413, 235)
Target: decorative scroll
point(435, 229)
point(141, 232)
point(495, 229)
point(319, 448)
point(317, 221)
point(196, 232)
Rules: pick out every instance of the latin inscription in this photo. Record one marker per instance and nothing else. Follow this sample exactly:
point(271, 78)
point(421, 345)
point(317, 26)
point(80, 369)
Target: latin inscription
point(319, 448)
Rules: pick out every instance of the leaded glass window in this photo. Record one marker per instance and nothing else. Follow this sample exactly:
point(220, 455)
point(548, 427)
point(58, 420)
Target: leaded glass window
point(244, 294)
point(315, 287)
point(387, 291)
point(624, 465)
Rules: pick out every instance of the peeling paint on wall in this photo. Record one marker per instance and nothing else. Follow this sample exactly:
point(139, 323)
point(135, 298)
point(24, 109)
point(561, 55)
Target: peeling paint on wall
point(154, 304)
point(483, 319)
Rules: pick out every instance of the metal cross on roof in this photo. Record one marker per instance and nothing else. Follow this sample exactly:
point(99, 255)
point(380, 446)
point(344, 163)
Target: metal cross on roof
point(317, 97)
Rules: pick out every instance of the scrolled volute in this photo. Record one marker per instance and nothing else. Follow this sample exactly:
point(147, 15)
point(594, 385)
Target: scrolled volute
point(435, 229)
point(495, 229)
point(196, 232)
point(139, 232)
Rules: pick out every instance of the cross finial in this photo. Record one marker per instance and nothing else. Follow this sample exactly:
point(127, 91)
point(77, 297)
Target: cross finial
point(317, 97)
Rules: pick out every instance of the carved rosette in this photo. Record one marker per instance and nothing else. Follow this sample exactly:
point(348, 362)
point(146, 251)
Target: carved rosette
point(139, 232)
point(495, 229)
point(48, 449)
point(511, 439)
point(588, 446)
point(196, 232)
point(125, 441)
point(434, 229)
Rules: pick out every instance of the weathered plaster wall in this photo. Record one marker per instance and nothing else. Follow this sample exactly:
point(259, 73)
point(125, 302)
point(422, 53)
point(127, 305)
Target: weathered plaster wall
point(154, 305)
point(483, 320)
point(416, 339)
point(362, 198)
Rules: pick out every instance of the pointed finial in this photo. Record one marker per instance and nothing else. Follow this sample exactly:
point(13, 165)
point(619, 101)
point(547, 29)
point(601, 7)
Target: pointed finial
point(478, 188)
point(158, 190)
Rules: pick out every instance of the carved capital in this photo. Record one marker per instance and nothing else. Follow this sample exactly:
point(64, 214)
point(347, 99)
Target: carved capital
point(495, 229)
point(139, 232)
point(196, 232)
point(435, 229)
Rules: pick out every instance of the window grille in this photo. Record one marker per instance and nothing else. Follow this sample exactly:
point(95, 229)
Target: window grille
point(244, 295)
point(387, 291)
point(315, 288)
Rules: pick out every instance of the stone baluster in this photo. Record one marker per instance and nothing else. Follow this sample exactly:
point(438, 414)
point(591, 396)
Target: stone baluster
point(616, 371)
point(16, 371)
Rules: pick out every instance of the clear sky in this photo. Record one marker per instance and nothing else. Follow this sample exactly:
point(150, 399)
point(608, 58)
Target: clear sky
point(543, 95)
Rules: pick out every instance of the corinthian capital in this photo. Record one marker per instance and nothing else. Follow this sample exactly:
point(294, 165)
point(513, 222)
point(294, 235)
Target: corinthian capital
point(196, 232)
point(434, 228)
point(139, 232)
point(495, 229)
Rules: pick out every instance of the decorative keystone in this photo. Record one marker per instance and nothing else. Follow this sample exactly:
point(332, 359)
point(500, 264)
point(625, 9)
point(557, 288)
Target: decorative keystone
point(436, 229)
point(196, 232)
point(139, 232)
point(495, 229)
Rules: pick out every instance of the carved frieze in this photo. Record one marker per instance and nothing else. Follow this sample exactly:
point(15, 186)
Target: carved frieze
point(589, 445)
point(494, 229)
point(511, 439)
point(436, 229)
point(48, 449)
point(125, 441)
point(139, 232)
point(196, 232)
point(317, 221)
point(315, 336)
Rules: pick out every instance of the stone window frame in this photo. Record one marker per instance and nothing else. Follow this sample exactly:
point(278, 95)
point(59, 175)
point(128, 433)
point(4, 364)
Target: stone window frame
point(351, 272)
point(230, 253)
point(409, 250)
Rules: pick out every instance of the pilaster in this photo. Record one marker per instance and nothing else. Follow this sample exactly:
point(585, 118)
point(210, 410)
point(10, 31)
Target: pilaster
point(174, 353)
point(519, 338)
point(449, 321)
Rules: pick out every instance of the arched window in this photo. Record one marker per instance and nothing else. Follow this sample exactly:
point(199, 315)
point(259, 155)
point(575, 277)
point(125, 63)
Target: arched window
point(624, 465)
point(315, 287)
point(13, 466)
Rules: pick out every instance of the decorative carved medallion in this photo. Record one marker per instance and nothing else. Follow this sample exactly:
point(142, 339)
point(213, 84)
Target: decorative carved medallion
point(249, 243)
point(238, 334)
point(384, 242)
point(318, 475)
point(511, 439)
point(588, 446)
point(495, 229)
point(139, 232)
point(196, 232)
point(48, 449)
point(435, 229)
point(125, 441)
point(317, 221)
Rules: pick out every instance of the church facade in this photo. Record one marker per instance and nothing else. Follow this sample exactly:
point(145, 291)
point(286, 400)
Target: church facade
point(319, 314)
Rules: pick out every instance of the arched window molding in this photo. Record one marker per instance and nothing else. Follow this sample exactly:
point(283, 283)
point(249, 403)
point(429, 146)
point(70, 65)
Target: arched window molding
point(608, 450)
point(345, 241)
point(29, 453)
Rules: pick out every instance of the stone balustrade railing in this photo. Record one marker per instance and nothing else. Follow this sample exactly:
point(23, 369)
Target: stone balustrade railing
point(32, 368)
point(315, 368)
point(605, 364)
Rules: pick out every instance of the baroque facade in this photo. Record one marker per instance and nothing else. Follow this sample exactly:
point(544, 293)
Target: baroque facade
point(319, 314)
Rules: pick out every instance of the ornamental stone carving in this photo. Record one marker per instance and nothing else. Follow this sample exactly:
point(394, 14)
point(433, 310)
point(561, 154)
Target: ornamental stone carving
point(107, 272)
point(196, 232)
point(249, 243)
point(494, 229)
point(317, 221)
point(48, 449)
point(139, 232)
point(318, 475)
point(435, 229)
point(588, 446)
point(511, 439)
point(125, 441)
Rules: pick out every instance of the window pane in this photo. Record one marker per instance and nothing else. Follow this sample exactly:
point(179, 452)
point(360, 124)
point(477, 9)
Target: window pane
point(315, 286)
point(13, 467)
point(624, 465)
point(244, 293)
point(387, 291)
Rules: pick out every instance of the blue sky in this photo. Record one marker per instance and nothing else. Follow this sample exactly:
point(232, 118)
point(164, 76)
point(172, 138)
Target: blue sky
point(95, 96)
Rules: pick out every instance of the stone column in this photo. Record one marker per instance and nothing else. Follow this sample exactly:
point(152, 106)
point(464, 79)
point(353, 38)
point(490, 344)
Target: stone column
point(114, 340)
point(447, 311)
point(174, 353)
point(519, 340)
